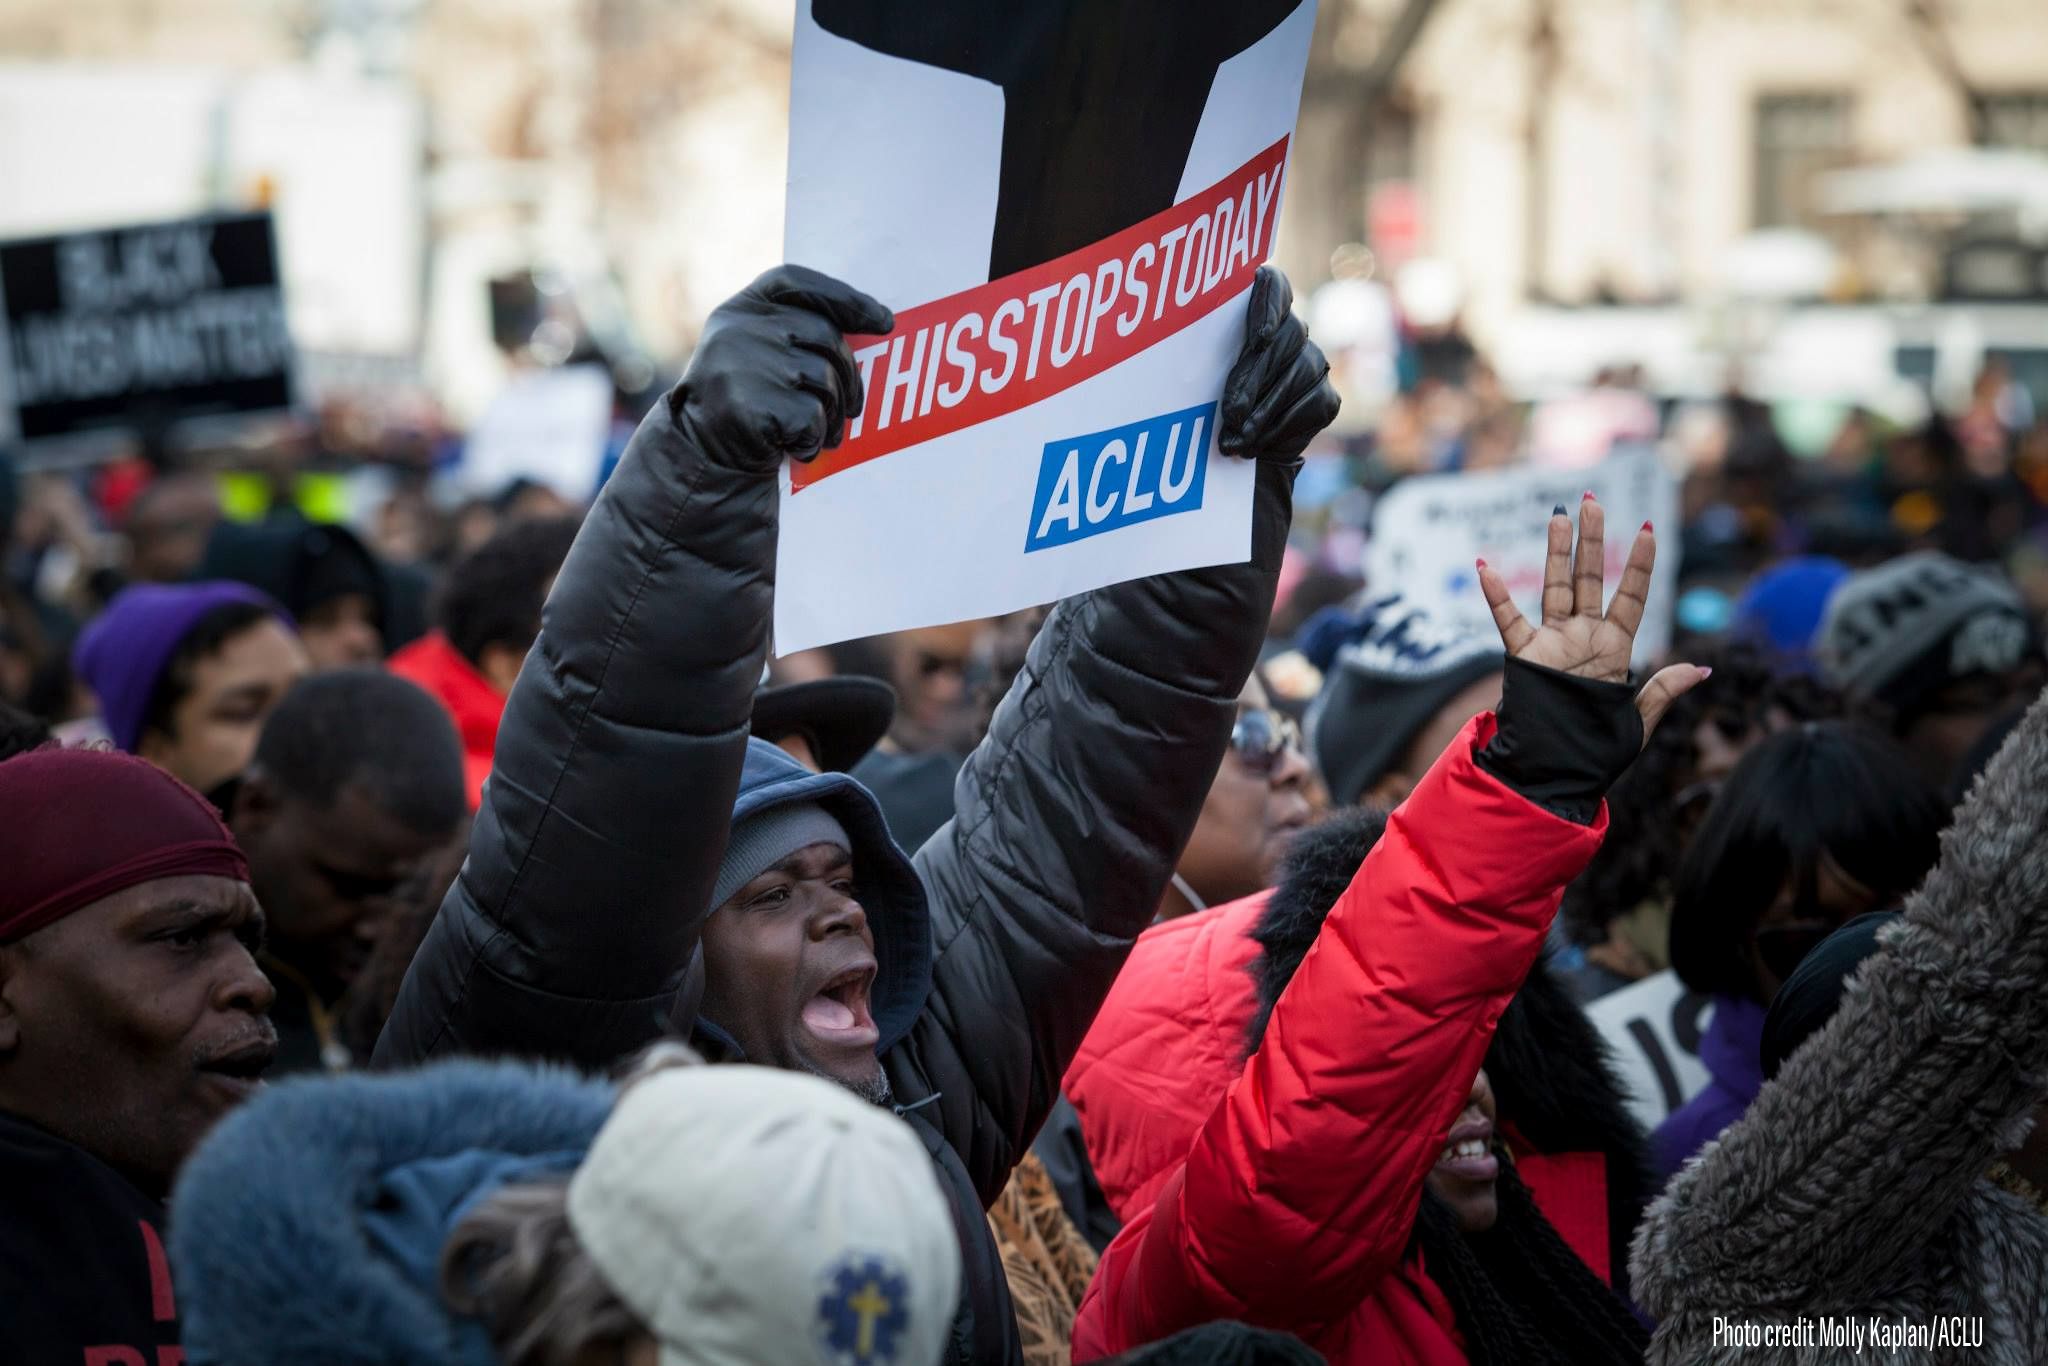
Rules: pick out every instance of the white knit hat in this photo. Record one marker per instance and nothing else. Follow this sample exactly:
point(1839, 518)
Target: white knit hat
point(755, 1217)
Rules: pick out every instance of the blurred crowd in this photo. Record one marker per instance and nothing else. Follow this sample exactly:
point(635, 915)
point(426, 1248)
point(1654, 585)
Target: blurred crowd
point(1223, 939)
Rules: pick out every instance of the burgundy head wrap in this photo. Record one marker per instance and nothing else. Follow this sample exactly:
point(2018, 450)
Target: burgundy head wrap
point(77, 825)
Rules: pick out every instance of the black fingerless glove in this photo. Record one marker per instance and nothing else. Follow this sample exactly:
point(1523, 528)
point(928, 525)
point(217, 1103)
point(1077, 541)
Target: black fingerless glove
point(1562, 740)
point(1278, 394)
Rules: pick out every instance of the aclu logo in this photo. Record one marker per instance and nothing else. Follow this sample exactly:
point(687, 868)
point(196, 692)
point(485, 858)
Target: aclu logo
point(1117, 478)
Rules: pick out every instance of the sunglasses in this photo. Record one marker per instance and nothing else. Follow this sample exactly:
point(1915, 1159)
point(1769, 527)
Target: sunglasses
point(1261, 738)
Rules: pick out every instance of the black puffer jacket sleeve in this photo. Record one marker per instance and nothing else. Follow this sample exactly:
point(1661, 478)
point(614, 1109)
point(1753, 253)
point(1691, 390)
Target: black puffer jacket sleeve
point(594, 855)
point(1070, 819)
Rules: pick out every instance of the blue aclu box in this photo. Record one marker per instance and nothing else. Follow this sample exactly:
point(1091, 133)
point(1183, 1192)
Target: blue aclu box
point(1117, 478)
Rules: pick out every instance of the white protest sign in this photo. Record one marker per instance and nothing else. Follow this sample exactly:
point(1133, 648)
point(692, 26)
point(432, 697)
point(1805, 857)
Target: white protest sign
point(1064, 204)
point(1654, 1028)
point(1428, 532)
point(549, 426)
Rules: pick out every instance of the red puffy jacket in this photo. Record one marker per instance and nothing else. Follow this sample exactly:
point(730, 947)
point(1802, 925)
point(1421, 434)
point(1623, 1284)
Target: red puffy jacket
point(471, 702)
point(1293, 1205)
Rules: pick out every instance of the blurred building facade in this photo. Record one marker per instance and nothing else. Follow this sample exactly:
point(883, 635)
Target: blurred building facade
point(629, 154)
point(625, 155)
point(1581, 151)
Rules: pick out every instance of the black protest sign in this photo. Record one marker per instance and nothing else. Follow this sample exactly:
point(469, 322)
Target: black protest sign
point(141, 326)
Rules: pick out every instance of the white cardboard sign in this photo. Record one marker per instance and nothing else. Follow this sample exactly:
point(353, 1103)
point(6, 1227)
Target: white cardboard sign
point(1428, 532)
point(1068, 281)
point(1654, 1028)
point(549, 426)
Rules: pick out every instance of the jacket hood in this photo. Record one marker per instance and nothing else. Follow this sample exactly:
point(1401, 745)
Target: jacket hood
point(301, 563)
point(890, 891)
point(309, 1225)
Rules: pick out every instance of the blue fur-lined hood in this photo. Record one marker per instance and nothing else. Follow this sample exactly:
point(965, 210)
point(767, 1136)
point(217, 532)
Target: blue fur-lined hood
point(309, 1225)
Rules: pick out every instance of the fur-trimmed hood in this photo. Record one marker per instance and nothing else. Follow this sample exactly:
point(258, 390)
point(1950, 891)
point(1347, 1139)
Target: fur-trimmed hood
point(306, 1229)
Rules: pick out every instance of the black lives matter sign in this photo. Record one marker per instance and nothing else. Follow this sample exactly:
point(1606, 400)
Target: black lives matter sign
point(144, 325)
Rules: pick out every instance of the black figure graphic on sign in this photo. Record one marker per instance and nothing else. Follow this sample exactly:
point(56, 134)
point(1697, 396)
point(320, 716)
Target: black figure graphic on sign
point(1101, 98)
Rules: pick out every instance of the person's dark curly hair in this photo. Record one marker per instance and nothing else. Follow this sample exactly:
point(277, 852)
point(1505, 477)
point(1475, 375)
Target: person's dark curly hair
point(208, 637)
point(493, 595)
point(1647, 829)
point(20, 731)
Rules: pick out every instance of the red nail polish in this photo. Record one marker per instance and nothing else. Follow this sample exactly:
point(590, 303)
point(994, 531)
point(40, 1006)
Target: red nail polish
point(1589, 494)
point(1482, 564)
point(1648, 527)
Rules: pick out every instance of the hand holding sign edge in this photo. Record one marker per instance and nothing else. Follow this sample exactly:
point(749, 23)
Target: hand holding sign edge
point(1278, 393)
point(773, 376)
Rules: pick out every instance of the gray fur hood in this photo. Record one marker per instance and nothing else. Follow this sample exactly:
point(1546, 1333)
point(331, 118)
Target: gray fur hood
point(1854, 1187)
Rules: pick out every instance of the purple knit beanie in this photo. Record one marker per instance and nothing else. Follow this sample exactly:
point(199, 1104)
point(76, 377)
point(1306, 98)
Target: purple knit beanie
point(123, 654)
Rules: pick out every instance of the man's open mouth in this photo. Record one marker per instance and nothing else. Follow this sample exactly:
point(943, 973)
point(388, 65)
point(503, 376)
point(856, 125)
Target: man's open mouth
point(838, 1013)
point(241, 1069)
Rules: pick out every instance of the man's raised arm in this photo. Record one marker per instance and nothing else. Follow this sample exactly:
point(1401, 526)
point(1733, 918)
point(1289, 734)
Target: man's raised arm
point(591, 867)
point(1074, 811)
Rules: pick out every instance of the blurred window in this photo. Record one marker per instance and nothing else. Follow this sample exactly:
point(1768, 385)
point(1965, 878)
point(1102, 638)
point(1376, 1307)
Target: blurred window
point(2017, 118)
point(1798, 136)
point(1391, 144)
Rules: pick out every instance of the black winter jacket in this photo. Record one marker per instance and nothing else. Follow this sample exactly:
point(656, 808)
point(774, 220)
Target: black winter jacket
point(569, 931)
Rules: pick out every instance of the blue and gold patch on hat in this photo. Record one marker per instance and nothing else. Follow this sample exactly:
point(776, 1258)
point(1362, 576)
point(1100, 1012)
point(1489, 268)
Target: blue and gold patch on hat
point(864, 1312)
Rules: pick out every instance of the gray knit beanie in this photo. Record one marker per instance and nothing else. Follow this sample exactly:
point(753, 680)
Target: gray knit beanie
point(1905, 630)
point(764, 839)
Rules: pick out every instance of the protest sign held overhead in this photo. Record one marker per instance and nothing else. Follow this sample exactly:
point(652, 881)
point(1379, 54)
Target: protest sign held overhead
point(1427, 533)
point(142, 325)
point(1065, 205)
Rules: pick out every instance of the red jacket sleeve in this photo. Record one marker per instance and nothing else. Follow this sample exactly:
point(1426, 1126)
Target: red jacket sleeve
point(1299, 1192)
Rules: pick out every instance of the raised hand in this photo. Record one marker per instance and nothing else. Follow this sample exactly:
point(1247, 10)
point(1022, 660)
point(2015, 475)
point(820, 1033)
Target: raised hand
point(1577, 635)
point(772, 376)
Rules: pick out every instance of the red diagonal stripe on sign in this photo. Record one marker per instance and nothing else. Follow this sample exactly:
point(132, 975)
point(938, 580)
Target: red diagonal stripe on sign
point(1002, 346)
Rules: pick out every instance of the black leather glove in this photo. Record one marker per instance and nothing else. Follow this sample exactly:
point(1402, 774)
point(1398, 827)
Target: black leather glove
point(1562, 739)
point(772, 376)
point(1278, 394)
